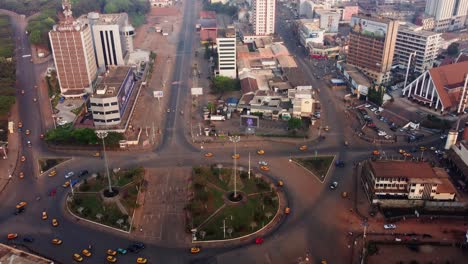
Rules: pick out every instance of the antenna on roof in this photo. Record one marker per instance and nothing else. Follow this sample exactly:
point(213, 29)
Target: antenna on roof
point(66, 6)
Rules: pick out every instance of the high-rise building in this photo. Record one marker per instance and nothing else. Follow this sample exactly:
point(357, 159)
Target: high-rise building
point(112, 37)
point(449, 15)
point(372, 45)
point(412, 39)
point(263, 16)
point(226, 45)
point(72, 48)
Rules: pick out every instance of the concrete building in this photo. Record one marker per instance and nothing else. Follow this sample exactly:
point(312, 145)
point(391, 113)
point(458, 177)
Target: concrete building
point(321, 51)
point(309, 31)
point(72, 49)
point(227, 56)
point(412, 39)
point(444, 88)
point(449, 15)
point(13, 255)
point(357, 81)
point(329, 20)
point(427, 22)
point(263, 17)
point(112, 37)
point(372, 45)
point(112, 96)
point(161, 3)
point(390, 179)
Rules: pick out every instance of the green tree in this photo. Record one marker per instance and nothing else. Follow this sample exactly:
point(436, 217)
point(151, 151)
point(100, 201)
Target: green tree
point(5, 103)
point(223, 84)
point(35, 37)
point(376, 95)
point(294, 123)
point(113, 138)
point(453, 49)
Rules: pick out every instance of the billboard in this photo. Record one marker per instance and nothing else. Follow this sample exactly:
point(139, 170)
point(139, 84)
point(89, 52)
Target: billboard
point(368, 27)
point(249, 121)
point(158, 94)
point(125, 91)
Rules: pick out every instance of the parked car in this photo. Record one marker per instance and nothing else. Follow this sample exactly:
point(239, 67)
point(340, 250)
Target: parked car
point(389, 226)
point(69, 174)
point(333, 185)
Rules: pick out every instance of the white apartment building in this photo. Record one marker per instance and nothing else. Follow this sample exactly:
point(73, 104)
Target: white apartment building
point(329, 19)
point(412, 39)
point(112, 37)
point(226, 46)
point(449, 15)
point(263, 17)
point(112, 96)
point(309, 31)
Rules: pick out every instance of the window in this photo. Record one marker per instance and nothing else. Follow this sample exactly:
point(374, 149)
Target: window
point(114, 103)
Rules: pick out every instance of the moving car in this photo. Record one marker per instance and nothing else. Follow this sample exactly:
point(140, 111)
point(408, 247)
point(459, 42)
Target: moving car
point(287, 210)
point(28, 239)
point(77, 257)
point(259, 240)
point(236, 156)
point(389, 226)
point(21, 204)
point(55, 222)
point(21, 175)
point(339, 163)
point(83, 173)
point(121, 251)
point(29, 143)
point(280, 183)
point(303, 147)
point(52, 173)
point(208, 155)
point(333, 185)
point(111, 259)
point(142, 260)
point(66, 184)
point(86, 252)
point(69, 174)
point(12, 236)
point(19, 210)
point(264, 168)
point(260, 152)
point(56, 241)
point(23, 159)
point(44, 215)
point(28, 132)
point(375, 153)
point(111, 252)
point(263, 163)
point(195, 250)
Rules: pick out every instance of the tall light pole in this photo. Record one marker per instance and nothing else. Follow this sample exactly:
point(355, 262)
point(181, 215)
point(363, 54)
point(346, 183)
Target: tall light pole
point(408, 66)
point(235, 139)
point(102, 135)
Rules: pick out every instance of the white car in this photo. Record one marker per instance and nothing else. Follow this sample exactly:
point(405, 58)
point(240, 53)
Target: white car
point(263, 163)
point(389, 226)
point(334, 185)
point(367, 105)
point(69, 174)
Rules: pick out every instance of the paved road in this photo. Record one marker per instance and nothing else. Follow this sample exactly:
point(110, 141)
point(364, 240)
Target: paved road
point(316, 225)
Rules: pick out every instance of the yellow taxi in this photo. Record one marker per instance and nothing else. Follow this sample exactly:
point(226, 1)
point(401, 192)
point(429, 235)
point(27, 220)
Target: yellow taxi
point(111, 259)
point(23, 159)
point(195, 250)
point(264, 168)
point(375, 153)
point(56, 241)
point(111, 252)
point(66, 184)
point(287, 210)
point(236, 156)
point(208, 155)
point(77, 257)
point(44, 215)
point(21, 175)
point(260, 152)
point(141, 260)
point(55, 222)
point(86, 252)
point(280, 183)
point(401, 151)
point(408, 155)
point(97, 154)
point(52, 173)
point(303, 147)
point(21, 205)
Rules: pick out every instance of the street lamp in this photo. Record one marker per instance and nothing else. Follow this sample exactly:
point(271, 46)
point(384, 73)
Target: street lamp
point(102, 135)
point(235, 139)
point(408, 66)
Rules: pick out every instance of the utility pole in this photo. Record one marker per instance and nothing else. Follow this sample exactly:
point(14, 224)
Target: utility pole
point(408, 67)
point(249, 165)
point(235, 139)
point(102, 135)
point(224, 228)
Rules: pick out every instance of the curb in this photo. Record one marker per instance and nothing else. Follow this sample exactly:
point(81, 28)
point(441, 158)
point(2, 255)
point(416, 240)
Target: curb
point(46, 172)
point(309, 171)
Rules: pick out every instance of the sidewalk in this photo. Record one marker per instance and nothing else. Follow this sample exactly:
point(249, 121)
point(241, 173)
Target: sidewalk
point(8, 165)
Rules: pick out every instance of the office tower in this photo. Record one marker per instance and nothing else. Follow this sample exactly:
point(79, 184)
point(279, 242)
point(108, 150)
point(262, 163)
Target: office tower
point(263, 16)
point(226, 45)
point(449, 15)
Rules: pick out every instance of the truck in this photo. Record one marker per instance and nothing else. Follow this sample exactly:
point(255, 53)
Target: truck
point(217, 118)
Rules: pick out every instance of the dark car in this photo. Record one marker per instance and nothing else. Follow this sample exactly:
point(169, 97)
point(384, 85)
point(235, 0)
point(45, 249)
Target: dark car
point(339, 163)
point(133, 249)
point(83, 173)
point(139, 245)
point(28, 239)
point(19, 210)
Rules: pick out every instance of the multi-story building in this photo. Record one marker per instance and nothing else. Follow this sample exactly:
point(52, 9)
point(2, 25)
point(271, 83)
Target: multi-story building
point(329, 19)
point(263, 16)
point(112, 37)
point(161, 3)
point(226, 45)
point(72, 49)
point(372, 45)
point(309, 31)
point(390, 179)
point(449, 15)
point(412, 39)
point(427, 22)
point(112, 96)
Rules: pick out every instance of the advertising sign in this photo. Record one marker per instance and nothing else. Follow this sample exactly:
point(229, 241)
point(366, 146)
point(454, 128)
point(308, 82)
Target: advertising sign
point(125, 91)
point(249, 121)
point(158, 94)
point(368, 27)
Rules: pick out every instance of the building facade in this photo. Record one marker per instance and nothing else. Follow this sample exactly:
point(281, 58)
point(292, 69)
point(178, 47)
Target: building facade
point(426, 44)
point(263, 17)
point(309, 31)
point(329, 20)
point(111, 98)
point(372, 45)
point(72, 49)
point(227, 56)
point(449, 15)
point(112, 37)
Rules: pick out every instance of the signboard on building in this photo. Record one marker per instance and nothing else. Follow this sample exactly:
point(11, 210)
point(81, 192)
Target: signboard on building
point(197, 91)
point(368, 27)
point(158, 94)
point(249, 121)
point(125, 91)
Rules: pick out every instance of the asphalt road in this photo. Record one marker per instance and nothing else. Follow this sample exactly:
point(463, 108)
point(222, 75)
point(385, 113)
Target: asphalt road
point(315, 226)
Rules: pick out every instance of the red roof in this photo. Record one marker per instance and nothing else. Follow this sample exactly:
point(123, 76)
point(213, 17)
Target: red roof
point(248, 85)
point(446, 78)
point(207, 14)
point(206, 34)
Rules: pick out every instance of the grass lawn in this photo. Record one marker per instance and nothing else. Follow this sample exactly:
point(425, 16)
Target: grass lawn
point(118, 179)
point(46, 164)
point(6, 37)
point(318, 166)
point(129, 197)
point(92, 205)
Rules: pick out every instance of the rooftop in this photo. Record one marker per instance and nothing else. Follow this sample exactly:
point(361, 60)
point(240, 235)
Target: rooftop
point(208, 23)
point(208, 14)
point(111, 81)
point(448, 77)
point(229, 32)
point(16, 256)
point(105, 19)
